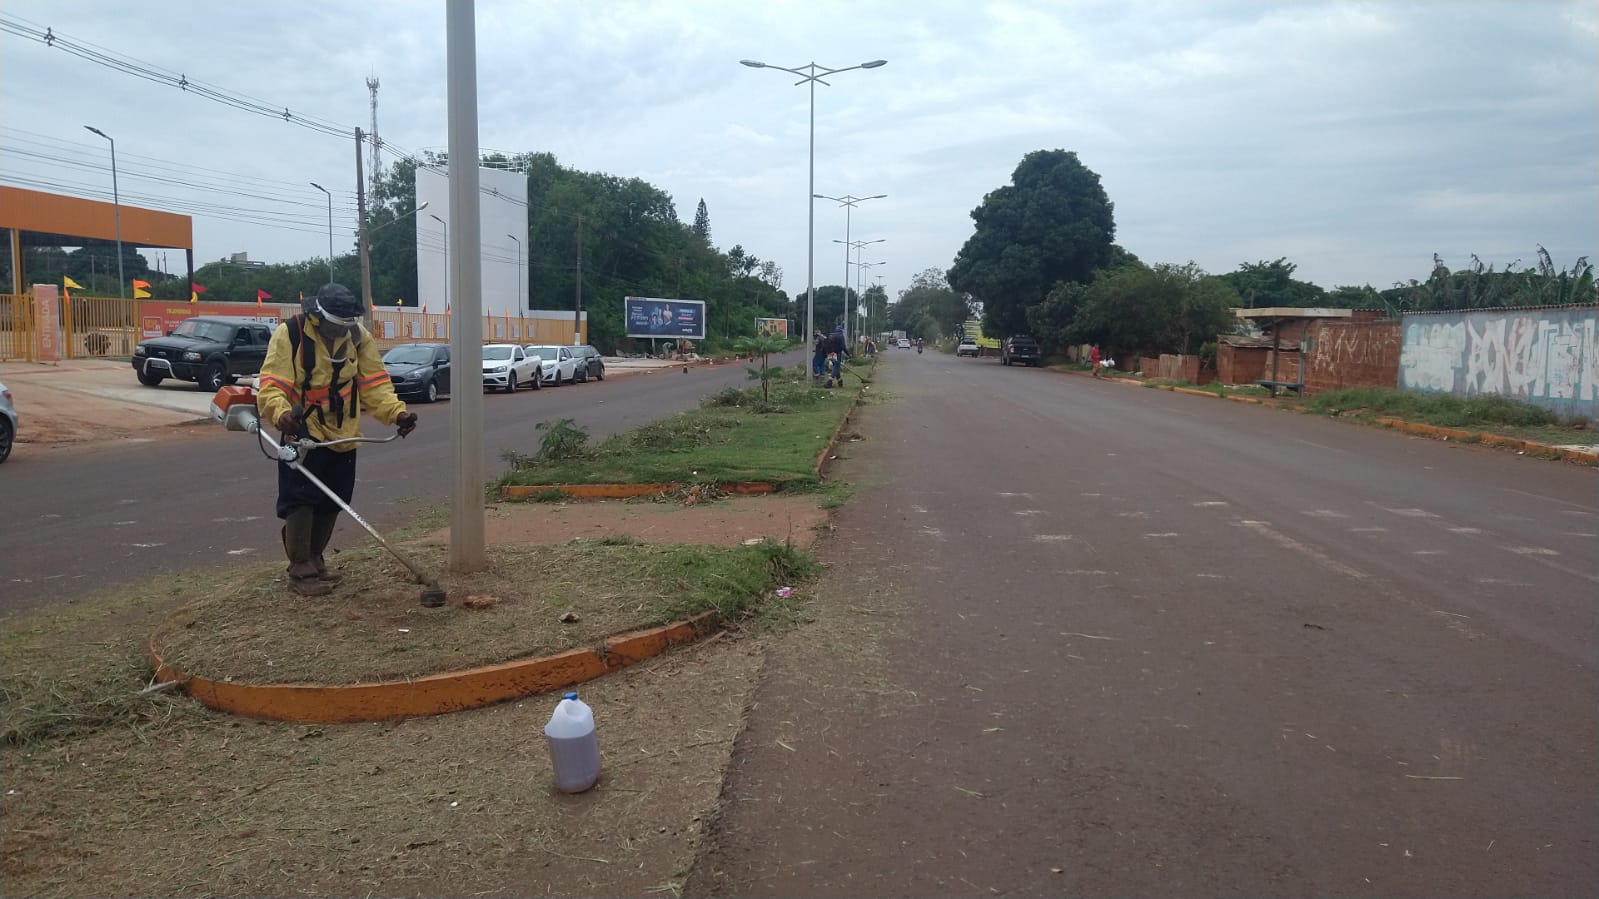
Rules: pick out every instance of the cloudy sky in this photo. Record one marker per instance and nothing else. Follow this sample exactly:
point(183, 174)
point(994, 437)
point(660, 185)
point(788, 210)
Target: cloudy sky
point(1356, 139)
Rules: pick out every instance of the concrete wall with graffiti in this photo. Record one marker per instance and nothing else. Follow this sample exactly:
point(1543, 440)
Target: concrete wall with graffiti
point(1547, 356)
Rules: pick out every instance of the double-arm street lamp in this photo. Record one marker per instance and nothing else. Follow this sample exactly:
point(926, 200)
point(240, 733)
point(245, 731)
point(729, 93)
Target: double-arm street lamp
point(855, 245)
point(330, 227)
point(849, 203)
point(116, 210)
point(812, 74)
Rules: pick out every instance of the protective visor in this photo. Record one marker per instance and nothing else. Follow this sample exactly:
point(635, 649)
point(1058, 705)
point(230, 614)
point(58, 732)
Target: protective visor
point(332, 319)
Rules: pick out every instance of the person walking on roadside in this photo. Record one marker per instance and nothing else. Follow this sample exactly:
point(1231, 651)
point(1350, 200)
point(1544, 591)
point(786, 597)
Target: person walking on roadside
point(322, 368)
point(1093, 359)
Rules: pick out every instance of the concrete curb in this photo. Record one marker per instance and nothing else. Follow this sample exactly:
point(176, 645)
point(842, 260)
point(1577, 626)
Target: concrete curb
point(625, 491)
point(435, 694)
point(832, 442)
point(1516, 443)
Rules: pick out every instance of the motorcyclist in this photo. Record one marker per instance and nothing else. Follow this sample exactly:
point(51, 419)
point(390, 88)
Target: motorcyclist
point(918, 346)
point(322, 367)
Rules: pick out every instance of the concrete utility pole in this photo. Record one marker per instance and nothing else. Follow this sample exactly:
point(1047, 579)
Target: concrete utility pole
point(362, 245)
point(577, 310)
point(466, 283)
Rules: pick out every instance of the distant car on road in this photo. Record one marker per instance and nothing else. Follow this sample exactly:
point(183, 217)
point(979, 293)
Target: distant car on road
point(558, 364)
point(967, 347)
point(213, 351)
point(904, 343)
point(420, 370)
point(508, 366)
point(1020, 350)
point(589, 363)
point(8, 423)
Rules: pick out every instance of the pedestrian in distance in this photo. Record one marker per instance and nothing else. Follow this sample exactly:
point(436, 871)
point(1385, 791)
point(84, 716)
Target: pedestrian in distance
point(819, 356)
point(837, 349)
point(322, 370)
point(1093, 359)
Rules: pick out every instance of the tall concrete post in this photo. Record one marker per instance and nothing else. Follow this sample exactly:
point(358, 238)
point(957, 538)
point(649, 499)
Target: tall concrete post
point(466, 290)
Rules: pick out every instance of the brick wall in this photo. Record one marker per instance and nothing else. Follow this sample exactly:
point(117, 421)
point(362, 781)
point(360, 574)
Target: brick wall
point(1353, 354)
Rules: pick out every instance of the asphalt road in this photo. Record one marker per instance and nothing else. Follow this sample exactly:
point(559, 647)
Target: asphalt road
point(85, 519)
point(1153, 644)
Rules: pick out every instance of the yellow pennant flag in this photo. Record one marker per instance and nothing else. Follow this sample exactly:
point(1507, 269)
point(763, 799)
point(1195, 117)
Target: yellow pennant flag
point(140, 293)
point(194, 297)
point(68, 282)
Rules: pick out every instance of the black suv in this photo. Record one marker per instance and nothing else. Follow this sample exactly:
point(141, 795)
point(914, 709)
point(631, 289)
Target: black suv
point(589, 364)
point(210, 350)
point(421, 370)
point(1020, 350)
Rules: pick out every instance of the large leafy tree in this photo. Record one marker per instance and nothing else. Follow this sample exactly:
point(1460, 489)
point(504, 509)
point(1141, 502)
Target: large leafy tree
point(1261, 284)
point(929, 307)
point(1152, 310)
point(1052, 223)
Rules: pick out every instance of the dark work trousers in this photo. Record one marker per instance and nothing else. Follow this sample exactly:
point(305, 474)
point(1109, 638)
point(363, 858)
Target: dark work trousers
point(309, 516)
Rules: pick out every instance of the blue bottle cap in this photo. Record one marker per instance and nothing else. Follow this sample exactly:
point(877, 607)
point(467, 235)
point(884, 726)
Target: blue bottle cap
point(572, 695)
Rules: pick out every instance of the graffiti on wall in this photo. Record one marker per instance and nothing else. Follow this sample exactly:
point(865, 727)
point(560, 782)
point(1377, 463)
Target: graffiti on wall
point(1344, 346)
point(1549, 357)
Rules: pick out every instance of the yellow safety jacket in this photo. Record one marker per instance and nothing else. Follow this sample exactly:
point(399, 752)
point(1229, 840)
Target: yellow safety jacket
point(346, 377)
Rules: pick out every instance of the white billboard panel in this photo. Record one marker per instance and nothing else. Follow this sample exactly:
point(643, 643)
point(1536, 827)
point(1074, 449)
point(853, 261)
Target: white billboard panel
point(502, 205)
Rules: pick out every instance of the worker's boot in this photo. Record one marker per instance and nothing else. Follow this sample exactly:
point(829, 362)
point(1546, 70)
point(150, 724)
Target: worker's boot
point(322, 532)
point(298, 530)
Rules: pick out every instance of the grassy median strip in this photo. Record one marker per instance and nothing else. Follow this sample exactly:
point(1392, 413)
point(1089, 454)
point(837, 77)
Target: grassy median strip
point(736, 436)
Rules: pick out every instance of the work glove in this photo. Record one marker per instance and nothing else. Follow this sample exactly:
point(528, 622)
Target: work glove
point(289, 423)
point(406, 421)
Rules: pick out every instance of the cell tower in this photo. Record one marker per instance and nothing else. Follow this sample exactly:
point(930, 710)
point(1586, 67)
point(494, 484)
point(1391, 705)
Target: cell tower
point(376, 144)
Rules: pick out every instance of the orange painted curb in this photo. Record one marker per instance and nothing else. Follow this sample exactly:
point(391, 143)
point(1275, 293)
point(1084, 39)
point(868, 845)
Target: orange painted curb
point(1192, 392)
point(623, 491)
point(589, 491)
point(1254, 401)
point(435, 694)
point(1516, 443)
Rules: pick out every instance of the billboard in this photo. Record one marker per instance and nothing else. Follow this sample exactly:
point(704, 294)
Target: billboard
point(157, 317)
point(657, 317)
point(771, 326)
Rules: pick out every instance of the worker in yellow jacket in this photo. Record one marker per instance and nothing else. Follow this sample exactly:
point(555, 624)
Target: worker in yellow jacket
point(322, 370)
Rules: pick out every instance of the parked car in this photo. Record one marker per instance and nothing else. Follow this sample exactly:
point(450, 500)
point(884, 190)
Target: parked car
point(1020, 350)
point(589, 363)
point(8, 423)
point(558, 365)
point(420, 370)
point(508, 366)
point(967, 347)
point(213, 351)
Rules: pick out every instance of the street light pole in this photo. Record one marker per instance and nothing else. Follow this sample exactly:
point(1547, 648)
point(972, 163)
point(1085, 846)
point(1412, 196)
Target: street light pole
point(518, 272)
point(849, 203)
point(330, 228)
point(116, 210)
point(446, 226)
point(811, 74)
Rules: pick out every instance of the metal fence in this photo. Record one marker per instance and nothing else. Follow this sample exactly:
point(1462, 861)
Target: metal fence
point(111, 326)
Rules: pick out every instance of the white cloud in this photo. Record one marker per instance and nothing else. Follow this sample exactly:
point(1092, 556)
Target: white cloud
point(1354, 138)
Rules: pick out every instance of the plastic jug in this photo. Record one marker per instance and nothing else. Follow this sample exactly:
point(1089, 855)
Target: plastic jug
point(574, 750)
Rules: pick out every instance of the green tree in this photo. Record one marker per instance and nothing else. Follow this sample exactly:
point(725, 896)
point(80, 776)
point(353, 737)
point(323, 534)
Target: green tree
point(929, 307)
point(1051, 320)
point(1262, 284)
point(1052, 223)
point(1164, 309)
point(763, 345)
point(702, 221)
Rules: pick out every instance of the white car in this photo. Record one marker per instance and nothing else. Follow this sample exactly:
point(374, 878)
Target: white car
point(508, 366)
point(8, 423)
point(904, 344)
point(558, 364)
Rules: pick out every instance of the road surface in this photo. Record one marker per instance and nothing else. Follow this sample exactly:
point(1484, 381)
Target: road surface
point(1150, 644)
point(90, 518)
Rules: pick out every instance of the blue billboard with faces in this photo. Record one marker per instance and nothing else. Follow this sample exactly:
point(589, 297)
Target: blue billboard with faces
point(656, 317)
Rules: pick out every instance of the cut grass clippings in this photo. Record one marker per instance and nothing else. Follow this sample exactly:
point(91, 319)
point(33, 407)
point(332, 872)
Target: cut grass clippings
point(735, 437)
point(372, 628)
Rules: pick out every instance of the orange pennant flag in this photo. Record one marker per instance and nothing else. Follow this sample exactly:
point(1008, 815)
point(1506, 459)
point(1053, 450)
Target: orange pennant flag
point(141, 284)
